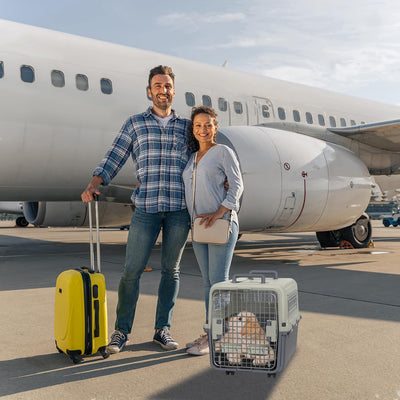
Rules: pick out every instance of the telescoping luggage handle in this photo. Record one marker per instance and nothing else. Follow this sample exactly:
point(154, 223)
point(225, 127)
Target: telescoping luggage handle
point(255, 274)
point(96, 206)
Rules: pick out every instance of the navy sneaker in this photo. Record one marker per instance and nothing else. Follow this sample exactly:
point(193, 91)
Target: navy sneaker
point(117, 342)
point(164, 339)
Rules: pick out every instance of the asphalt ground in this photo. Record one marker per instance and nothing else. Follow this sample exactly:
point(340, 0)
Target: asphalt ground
point(348, 343)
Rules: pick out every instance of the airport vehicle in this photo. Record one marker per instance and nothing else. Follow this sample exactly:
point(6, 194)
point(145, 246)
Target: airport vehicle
point(306, 154)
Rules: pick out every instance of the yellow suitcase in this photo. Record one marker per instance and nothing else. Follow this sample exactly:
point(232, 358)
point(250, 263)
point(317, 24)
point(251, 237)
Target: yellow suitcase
point(80, 315)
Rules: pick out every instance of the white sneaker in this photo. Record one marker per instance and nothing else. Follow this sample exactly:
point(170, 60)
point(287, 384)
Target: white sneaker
point(200, 348)
point(203, 337)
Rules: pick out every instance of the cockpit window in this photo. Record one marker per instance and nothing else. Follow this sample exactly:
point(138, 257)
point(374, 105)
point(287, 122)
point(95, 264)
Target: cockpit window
point(1, 69)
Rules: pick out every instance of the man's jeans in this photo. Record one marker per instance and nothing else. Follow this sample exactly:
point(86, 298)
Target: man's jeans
point(143, 233)
point(215, 261)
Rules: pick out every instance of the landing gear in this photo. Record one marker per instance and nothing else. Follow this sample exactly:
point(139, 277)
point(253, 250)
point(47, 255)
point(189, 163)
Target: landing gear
point(358, 234)
point(329, 238)
point(22, 222)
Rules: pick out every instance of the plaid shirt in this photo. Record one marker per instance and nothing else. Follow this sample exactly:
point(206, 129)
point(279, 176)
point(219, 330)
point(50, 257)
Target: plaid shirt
point(160, 156)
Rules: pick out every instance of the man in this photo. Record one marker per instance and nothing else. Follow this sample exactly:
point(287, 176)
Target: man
point(158, 142)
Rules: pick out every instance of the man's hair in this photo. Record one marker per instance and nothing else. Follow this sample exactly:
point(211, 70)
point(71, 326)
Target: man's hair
point(193, 142)
point(161, 70)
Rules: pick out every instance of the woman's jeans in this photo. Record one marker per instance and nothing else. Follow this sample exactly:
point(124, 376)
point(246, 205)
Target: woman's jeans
point(215, 261)
point(143, 232)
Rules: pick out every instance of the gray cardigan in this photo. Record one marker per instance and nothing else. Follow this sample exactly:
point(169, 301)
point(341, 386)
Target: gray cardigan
point(218, 163)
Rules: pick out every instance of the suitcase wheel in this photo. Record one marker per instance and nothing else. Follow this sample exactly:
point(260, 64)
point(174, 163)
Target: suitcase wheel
point(75, 356)
point(103, 351)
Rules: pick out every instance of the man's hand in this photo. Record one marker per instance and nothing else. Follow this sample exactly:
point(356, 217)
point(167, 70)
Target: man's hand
point(92, 188)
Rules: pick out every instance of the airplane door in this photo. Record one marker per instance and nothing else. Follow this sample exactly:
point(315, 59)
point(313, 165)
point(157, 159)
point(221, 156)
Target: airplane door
point(224, 112)
point(263, 111)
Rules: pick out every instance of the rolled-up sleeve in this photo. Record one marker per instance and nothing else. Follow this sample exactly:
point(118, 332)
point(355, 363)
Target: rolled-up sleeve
point(117, 155)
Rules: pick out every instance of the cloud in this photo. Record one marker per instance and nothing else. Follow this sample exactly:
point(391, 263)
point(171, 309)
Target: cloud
point(196, 21)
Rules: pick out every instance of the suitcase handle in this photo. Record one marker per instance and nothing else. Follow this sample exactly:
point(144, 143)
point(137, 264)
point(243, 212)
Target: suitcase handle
point(264, 272)
point(96, 207)
point(249, 276)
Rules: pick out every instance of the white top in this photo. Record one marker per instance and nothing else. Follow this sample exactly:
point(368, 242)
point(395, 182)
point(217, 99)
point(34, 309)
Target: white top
point(218, 164)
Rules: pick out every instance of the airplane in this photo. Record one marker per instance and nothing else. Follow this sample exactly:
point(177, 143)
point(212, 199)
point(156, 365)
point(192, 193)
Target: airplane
point(306, 154)
point(15, 208)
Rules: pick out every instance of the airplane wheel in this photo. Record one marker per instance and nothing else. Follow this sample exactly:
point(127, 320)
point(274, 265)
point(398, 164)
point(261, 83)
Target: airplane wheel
point(22, 222)
point(329, 238)
point(359, 234)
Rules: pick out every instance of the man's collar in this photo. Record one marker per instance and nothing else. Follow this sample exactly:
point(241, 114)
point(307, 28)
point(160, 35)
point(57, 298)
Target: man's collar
point(149, 112)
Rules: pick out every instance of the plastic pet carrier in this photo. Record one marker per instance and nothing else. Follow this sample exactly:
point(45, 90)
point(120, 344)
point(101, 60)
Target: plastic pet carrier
point(252, 323)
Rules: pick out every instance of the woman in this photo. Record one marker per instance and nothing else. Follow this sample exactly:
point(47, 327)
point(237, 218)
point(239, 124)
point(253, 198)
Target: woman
point(216, 164)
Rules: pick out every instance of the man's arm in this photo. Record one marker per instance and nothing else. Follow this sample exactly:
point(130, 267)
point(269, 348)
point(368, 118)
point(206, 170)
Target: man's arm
point(91, 189)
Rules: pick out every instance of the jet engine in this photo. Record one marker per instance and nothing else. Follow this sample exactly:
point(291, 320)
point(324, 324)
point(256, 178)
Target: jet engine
point(74, 213)
point(294, 182)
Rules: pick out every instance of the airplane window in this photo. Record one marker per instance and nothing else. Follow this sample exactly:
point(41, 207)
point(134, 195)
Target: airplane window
point(1, 69)
point(321, 120)
point(281, 113)
point(309, 118)
point(207, 101)
point(27, 73)
point(106, 86)
point(332, 121)
point(222, 104)
point(238, 107)
point(296, 115)
point(352, 122)
point(82, 82)
point(342, 122)
point(265, 111)
point(190, 100)
point(57, 78)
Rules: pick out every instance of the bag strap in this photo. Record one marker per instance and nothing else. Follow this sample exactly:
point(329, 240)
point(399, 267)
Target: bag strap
point(194, 184)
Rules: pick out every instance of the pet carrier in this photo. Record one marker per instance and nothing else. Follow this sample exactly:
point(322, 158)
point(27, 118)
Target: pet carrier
point(252, 323)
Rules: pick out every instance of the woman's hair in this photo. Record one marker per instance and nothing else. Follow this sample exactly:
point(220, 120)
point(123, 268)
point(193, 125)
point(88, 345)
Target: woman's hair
point(193, 142)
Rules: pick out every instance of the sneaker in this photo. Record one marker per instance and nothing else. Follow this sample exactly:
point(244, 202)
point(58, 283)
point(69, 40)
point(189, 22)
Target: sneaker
point(201, 348)
point(203, 337)
point(117, 342)
point(164, 339)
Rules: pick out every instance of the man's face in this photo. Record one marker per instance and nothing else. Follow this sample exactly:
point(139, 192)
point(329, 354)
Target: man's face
point(162, 91)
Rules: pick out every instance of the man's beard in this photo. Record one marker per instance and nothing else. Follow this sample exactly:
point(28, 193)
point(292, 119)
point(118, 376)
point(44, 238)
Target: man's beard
point(162, 105)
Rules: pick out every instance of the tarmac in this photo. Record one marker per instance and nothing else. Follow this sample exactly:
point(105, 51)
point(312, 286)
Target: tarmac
point(348, 343)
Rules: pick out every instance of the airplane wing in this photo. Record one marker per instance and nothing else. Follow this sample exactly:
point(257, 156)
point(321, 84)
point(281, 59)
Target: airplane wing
point(382, 135)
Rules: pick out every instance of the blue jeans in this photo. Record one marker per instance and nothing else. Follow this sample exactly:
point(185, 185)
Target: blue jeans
point(215, 261)
point(143, 233)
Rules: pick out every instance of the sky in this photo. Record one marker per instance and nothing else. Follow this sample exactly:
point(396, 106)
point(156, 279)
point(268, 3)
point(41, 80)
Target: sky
point(349, 46)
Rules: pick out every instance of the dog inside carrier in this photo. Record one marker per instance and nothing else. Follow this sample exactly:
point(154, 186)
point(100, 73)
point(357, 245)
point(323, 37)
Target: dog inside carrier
point(244, 324)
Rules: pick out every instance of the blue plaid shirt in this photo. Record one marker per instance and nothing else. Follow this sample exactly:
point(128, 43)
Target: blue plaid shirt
point(160, 155)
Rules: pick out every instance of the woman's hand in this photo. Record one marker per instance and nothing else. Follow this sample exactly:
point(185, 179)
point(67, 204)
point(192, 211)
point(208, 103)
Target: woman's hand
point(210, 218)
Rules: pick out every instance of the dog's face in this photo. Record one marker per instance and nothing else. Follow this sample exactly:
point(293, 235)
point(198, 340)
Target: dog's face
point(250, 325)
point(244, 323)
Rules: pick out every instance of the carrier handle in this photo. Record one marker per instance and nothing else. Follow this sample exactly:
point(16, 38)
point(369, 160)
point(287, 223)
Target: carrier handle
point(250, 276)
point(264, 272)
point(96, 207)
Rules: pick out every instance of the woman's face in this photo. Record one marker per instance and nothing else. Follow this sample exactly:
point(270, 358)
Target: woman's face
point(204, 128)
